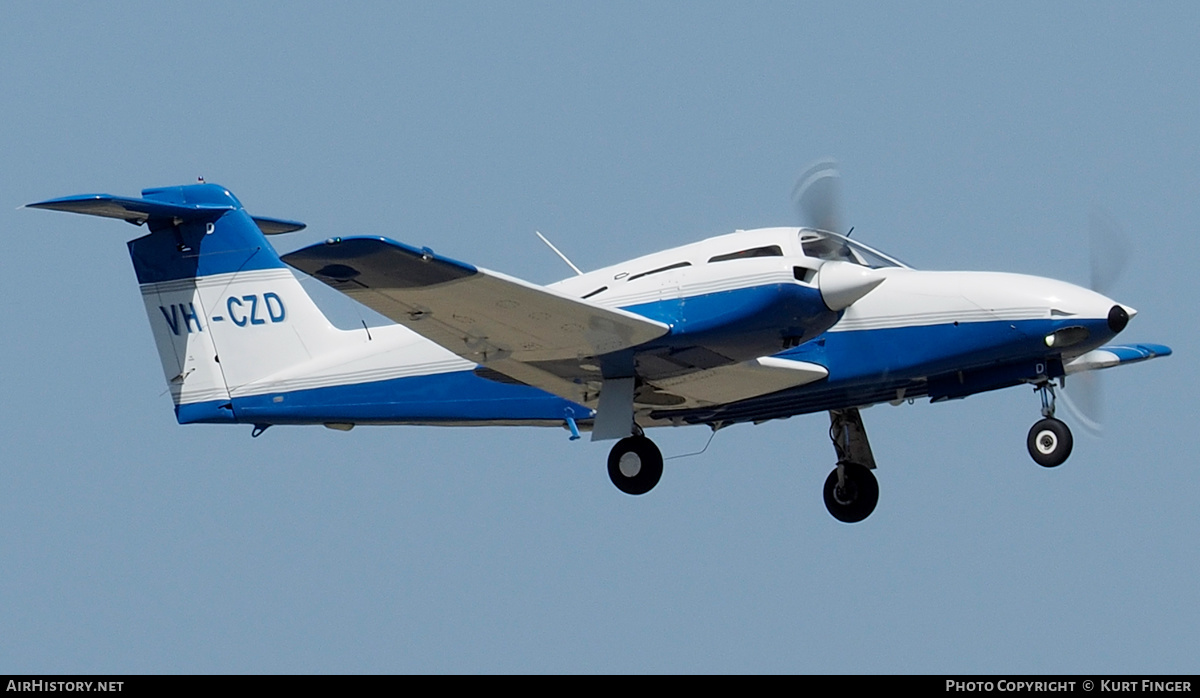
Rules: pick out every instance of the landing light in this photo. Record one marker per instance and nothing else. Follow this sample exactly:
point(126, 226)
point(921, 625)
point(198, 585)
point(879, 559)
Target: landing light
point(1066, 337)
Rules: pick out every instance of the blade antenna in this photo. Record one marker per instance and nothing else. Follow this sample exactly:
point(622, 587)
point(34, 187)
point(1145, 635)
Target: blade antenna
point(561, 256)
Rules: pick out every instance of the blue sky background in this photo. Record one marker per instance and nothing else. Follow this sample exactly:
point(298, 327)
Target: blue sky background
point(971, 136)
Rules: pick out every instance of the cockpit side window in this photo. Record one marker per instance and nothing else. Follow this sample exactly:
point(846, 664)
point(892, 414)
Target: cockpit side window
point(768, 251)
point(829, 246)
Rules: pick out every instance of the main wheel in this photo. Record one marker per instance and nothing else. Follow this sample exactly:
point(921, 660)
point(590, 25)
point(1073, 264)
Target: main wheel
point(1050, 442)
point(856, 499)
point(635, 465)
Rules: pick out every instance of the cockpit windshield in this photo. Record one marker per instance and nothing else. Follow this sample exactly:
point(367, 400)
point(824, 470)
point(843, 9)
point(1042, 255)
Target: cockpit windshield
point(831, 246)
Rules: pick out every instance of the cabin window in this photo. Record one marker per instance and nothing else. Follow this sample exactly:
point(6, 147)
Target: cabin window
point(669, 267)
point(768, 251)
point(602, 289)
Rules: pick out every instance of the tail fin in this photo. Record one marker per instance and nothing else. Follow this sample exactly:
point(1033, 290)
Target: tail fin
point(224, 309)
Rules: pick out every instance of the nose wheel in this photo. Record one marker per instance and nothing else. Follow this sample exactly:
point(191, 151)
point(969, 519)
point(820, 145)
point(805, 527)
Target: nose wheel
point(635, 465)
point(1049, 440)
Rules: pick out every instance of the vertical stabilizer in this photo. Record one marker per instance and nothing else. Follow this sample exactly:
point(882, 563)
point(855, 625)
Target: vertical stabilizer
point(224, 309)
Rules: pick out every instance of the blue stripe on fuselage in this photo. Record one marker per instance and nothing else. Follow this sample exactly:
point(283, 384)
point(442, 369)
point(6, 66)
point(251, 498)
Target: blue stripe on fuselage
point(927, 350)
point(866, 365)
point(863, 365)
point(459, 396)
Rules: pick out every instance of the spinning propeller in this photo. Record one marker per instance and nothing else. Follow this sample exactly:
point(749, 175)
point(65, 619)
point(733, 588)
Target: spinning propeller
point(1108, 255)
point(817, 197)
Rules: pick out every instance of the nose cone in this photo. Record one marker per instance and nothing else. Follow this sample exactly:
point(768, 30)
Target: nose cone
point(1118, 317)
point(842, 283)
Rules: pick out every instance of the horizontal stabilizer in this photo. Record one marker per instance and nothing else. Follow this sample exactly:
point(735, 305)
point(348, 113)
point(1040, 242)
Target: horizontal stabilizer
point(277, 226)
point(1109, 356)
point(141, 210)
point(132, 210)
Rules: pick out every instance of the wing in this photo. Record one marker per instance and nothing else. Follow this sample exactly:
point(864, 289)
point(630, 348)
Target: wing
point(503, 323)
point(1115, 355)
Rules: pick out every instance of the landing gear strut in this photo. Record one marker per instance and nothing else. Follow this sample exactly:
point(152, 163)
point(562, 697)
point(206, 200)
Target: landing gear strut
point(635, 465)
point(1049, 441)
point(851, 490)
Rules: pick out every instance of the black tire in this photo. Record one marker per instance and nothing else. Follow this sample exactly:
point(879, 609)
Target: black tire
point(1049, 442)
point(857, 499)
point(635, 465)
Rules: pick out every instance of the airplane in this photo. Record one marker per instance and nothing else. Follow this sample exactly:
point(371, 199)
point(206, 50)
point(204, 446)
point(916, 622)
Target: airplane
point(745, 327)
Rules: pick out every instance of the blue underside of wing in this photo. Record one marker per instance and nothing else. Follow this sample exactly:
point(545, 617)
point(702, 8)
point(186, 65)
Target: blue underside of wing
point(1132, 353)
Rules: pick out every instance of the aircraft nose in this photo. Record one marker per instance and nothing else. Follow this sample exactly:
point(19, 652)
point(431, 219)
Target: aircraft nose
point(1118, 317)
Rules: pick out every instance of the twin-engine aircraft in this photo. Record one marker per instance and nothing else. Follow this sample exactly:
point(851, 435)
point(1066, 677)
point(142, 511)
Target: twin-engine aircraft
point(746, 327)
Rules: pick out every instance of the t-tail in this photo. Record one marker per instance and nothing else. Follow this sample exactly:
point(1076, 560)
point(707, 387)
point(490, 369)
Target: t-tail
point(227, 314)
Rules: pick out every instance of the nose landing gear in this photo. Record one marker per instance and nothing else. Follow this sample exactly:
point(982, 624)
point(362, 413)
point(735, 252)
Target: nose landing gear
point(1049, 441)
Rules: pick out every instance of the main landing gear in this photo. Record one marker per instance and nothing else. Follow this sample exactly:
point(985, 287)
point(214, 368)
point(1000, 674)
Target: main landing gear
point(1049, 440)
point(635, 464)
point(851, 491)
